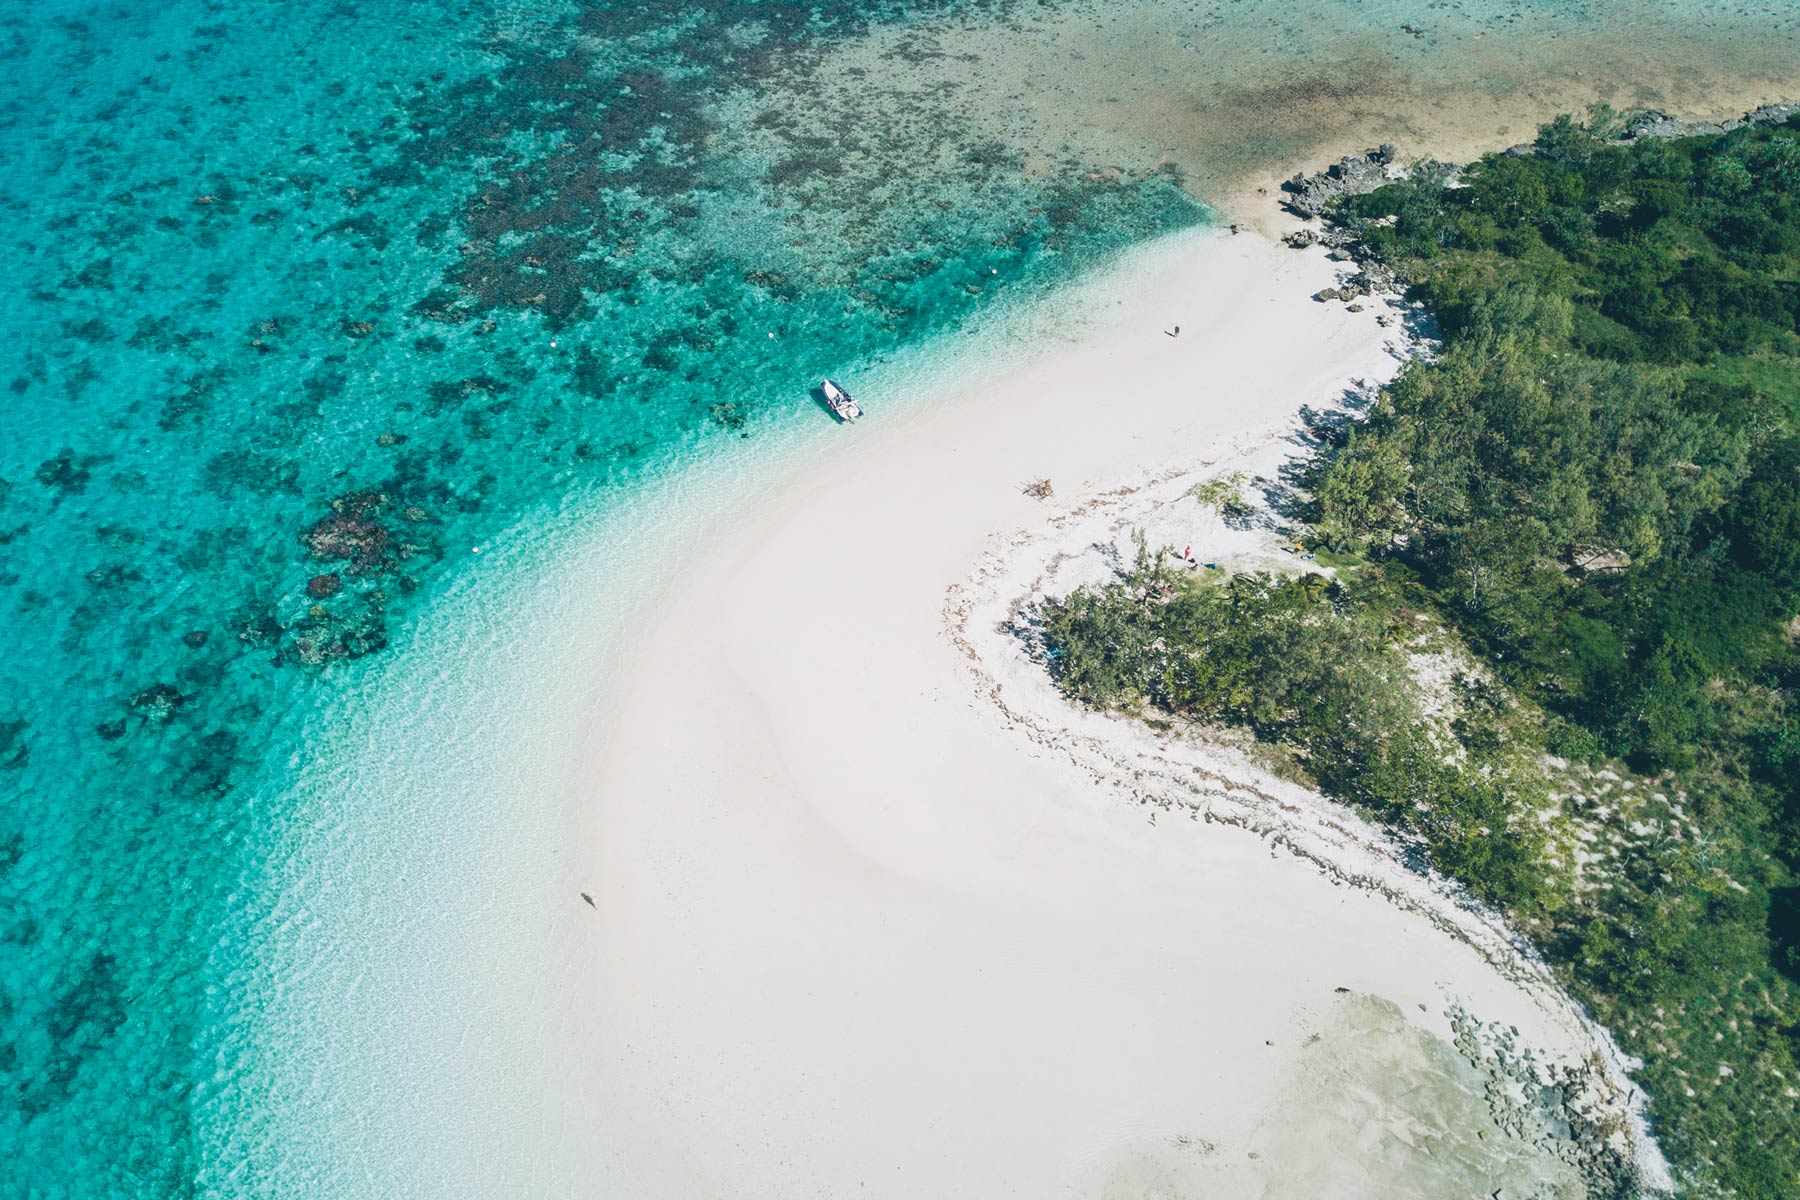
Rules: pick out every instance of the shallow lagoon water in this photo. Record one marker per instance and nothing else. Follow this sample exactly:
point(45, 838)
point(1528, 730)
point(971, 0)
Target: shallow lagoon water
point(339, 328)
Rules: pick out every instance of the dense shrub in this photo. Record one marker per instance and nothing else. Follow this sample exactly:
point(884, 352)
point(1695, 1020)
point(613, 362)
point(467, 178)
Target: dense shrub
point(1594, 492)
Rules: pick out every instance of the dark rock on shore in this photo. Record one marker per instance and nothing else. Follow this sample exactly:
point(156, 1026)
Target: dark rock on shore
point(1317, 196)
point(1654, 124)
point(1311, 195)
point(1572, 1110)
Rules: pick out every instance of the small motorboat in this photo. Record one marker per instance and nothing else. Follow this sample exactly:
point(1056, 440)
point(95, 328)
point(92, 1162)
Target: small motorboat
point(840, 401)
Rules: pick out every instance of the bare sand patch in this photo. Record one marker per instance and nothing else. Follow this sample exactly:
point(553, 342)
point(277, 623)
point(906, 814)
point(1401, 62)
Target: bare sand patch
point(855, 935)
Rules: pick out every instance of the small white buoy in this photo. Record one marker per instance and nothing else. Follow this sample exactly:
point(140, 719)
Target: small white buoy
point(771, 335)
point(474, 549)
point(553, 345)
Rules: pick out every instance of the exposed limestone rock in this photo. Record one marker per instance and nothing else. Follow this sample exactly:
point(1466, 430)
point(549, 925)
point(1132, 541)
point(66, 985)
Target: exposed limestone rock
point(1597, 560)
point(1654, 124)
point(1311, 195)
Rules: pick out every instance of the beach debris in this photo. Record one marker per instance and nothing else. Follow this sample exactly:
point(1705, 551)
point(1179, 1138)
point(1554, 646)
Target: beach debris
point(590, 902)
point(1039, 489)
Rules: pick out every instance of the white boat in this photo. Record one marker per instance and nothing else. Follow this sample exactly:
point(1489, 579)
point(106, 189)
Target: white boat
point(840, 401)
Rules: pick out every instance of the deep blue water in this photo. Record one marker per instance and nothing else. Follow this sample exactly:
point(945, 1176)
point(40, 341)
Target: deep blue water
point(309, 300)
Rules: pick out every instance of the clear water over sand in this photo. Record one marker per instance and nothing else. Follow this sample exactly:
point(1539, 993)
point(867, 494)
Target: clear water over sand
point(332, 319)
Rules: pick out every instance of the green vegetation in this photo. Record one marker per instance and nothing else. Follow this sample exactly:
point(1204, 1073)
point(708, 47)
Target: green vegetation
point(1559, 652)
point(1224, 494)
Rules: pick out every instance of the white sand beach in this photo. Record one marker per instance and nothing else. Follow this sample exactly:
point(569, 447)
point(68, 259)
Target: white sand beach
point(856, 936)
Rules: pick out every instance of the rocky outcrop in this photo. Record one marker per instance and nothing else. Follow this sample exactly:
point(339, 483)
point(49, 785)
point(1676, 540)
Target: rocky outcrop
point(1654, 124)
point(1587, 559)
point(1311, 196)
point(1572, 1110)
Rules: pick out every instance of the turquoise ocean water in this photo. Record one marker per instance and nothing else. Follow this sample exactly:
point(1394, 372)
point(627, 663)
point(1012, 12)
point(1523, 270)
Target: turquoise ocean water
point(332, 325)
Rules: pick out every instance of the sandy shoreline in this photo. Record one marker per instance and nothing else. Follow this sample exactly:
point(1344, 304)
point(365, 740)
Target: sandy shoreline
point(855, 935)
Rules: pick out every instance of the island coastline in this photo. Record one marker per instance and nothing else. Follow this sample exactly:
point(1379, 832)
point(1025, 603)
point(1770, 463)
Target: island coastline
point(801, 784)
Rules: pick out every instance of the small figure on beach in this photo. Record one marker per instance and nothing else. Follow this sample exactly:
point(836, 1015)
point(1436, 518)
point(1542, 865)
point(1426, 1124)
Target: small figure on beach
point(1175, 332)
point(590, 902)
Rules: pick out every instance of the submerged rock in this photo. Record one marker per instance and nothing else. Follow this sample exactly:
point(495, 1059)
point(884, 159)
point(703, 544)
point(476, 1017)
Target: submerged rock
point(259, 629)
point(15, 752)
point(158, 703)
point(729, 414)
point(64, 472)
point(350, 531)
point(322, 637)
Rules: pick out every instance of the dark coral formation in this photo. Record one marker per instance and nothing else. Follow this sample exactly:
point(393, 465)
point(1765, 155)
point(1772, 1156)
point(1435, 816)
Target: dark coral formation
point(15, 751)
point(323, 636)
point(350, 531)
point(65, 472)
point(158, 703)
point(504, 279)
point(373, 534)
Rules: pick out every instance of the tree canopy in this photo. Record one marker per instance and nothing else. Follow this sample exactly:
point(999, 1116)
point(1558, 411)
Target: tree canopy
point(1591, 499)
